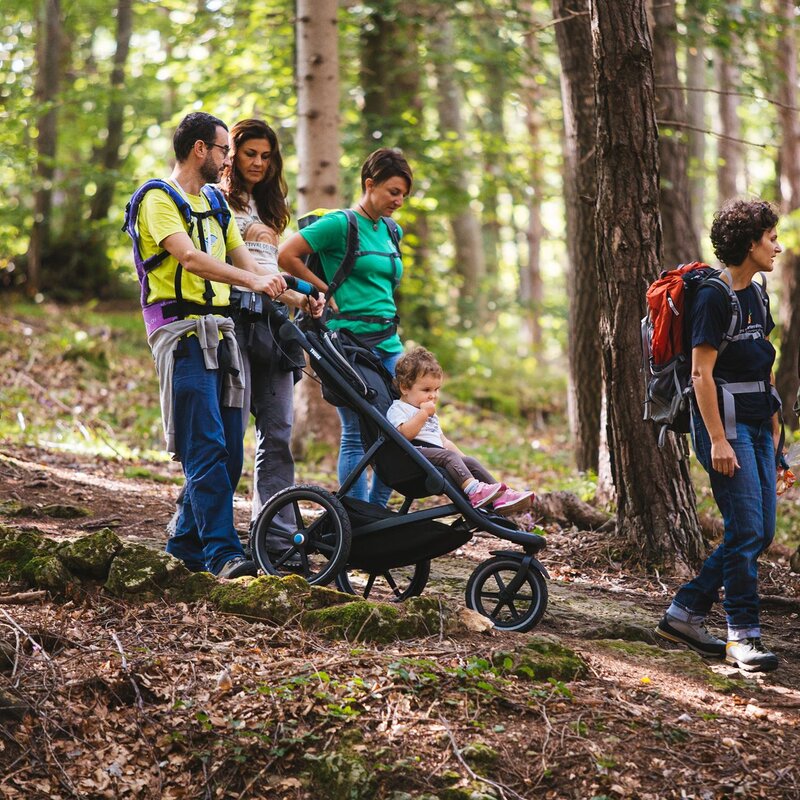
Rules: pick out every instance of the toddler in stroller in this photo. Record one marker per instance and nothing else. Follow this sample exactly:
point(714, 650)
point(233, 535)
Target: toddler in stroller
point(419, 379)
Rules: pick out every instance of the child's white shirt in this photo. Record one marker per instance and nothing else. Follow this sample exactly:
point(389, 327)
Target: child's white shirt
point(400, 412)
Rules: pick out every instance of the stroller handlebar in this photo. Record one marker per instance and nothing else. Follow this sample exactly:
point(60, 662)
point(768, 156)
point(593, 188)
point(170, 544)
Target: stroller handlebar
point(299, 285)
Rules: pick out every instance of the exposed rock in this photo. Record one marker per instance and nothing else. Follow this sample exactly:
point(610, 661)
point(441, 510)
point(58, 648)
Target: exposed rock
point(342, 775)
point(91, 556)
point(541, 659)
point(144, 573)
point(30, 557)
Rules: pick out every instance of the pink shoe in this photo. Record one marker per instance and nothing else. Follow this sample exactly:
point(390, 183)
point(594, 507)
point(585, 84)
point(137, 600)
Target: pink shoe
point(485, 493)
point(511, 501)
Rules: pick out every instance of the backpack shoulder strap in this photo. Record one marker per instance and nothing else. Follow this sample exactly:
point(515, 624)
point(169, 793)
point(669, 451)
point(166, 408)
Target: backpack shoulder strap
point(761, 291)
point(394, 232)
point(132, 214)
point(723, 282)
point(219, 206)
point(349, 259)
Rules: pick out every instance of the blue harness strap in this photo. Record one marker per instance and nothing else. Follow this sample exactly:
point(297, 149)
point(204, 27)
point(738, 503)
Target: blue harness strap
point(177, 308)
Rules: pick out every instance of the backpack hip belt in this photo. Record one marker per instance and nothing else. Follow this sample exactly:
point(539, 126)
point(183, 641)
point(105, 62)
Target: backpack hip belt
point(728, 391)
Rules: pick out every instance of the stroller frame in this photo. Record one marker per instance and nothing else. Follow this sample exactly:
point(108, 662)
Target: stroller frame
point(334, 539)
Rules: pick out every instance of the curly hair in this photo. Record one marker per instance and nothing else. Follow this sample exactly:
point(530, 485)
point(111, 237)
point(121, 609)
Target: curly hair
point(737, 225)
point(270, 193)
point(416, 364)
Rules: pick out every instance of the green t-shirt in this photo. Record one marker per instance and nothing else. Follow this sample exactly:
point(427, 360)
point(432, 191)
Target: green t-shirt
point(369, 289)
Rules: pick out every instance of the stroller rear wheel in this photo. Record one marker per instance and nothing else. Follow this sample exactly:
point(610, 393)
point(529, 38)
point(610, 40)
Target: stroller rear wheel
point(513, 601)
point(390, 586)
point(302, 530)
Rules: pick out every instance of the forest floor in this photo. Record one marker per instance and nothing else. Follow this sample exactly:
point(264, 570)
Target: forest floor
point(163, 700)
point(643, 722)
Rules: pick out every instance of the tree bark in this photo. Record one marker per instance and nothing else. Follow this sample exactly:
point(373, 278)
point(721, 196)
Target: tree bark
point(49, 40)
point(696, 111)
point(786, 377)
point(531, 284)
point(680, 245)
point(318, 184)
point(109, 155)
point(469, 263)
point(729, 151)
point(656, 511)
point(574, 38)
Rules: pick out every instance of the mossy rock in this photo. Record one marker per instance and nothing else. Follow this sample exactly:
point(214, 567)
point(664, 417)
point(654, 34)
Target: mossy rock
point(14, 508)
point(683, 663)
point(268, 597)
point(474, 791)
point(144, 573)
point(342, 775)
point(47, 572)
point(91, 555)
point(30, 557)
point(65, 511)
point(197, 586)
point(541, 659)
point(480, 756)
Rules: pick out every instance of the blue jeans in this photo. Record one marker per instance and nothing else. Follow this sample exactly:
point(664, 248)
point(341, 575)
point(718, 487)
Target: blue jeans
point(208, 441)
point(351, 449)
point(747, 504)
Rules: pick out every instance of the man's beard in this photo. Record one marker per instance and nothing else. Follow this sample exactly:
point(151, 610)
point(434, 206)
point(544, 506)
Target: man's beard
point(209, 172)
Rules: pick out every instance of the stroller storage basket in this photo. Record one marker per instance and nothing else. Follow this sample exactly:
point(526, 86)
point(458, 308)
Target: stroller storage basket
point(402, 544)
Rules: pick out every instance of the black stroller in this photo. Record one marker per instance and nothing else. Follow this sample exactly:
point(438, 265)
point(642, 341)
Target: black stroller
point(374, 551)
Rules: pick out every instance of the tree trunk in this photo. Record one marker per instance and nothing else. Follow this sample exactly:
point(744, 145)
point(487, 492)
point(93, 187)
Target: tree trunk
point(531, 284)
point(696, 80)
point(574, 37)
point(680, 244)
point(109, 155)
point(49, 40)
point(466, 229)
point(318, 176)
point(656, 512)
point(786, 377)
point(729, 151)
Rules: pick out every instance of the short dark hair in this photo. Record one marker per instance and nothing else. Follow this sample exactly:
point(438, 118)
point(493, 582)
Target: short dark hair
point(737, 225)
point(195, 127)
point(416, 364)
point(385, 163)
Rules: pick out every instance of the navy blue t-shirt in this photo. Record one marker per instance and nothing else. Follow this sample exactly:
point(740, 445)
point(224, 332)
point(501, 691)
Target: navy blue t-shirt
point(743, 360)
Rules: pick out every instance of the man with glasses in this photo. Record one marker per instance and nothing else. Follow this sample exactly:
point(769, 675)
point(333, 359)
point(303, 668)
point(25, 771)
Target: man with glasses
point(183, 241)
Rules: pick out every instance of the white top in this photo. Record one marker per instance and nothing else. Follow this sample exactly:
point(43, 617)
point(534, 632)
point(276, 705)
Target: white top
point(265, 253)
point(400, 412)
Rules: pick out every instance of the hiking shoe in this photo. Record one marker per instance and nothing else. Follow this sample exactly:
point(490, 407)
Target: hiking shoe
point(750, 655)
point(511, 501)
point(238, 566)
point(485, 493)
point(693, 635)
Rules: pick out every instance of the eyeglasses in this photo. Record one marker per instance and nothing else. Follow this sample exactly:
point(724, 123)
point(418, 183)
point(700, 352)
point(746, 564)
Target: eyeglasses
point(224, 147)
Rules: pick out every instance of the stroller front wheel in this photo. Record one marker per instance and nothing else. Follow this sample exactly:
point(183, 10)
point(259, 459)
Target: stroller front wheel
point(302, 530)
point(513, 597)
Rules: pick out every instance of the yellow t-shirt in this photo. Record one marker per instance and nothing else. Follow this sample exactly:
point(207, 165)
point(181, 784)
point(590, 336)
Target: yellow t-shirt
point(158, 218)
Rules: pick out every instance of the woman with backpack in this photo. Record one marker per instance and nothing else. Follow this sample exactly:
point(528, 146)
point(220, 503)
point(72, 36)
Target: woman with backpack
point(363, 300)
point(736, 436)
point(254, 186)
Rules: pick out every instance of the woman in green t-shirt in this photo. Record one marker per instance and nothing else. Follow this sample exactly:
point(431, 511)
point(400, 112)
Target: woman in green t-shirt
point(364, 302)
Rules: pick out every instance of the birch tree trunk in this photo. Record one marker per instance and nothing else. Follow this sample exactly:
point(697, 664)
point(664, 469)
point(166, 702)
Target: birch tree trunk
point(49, 42)
point(656, 512)
point(574, 38)
point(109, 154)
point(318, 184)
point(680, 244)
